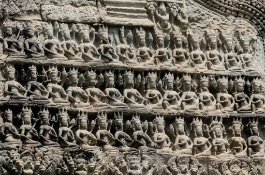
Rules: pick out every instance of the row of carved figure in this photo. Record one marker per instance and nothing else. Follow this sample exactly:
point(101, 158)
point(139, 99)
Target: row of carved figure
point(131, 135)
point(76, 44)
point(139, 92)
point(80, 163)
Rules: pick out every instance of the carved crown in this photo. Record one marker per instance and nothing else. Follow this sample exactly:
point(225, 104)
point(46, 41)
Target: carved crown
point(159, 119)
point(103, 31)
point(44, 112)
point(32, 68)
point(53, 70)
point(82, 116)
point(204, 79)
point(73, 71)
point(253, 122)
point(129, 75)
point(10, 68)
point(186, 78)
point(136, 117)
point(63, 113)
point(256, 82)
point(169, 77)
point(26, 110)
point(118, 116)
point(197, 122)
point(151, 76)
point(101, 117)
point(222, 80)
point(239, 80)
point(8, 111)
point(108, 74)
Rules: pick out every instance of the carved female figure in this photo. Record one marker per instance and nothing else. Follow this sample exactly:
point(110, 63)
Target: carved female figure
point(47, 133)
point(189, 99)
point(197, 56)
point(225, 101)
point(69, 46)
point(220, 144)
point(57, 94)
point(232, 61)
point(241, 99)
point(87, 49)
point(96, 97)
point(257, 99)
point(162, 55)
point(9, 131)
point(85, 138)
point(247, 43)
point(37, 92)
point(237, 144)
point(13, 89)
point(27, 132)
point(125, 48)
point(171, 98)
point(132, 97)
point(180, 54)
point(201, 144)
point(66, 136)
point(255, 143)
point(106, 50)
point(11, 44)
point(153, 96)
point(123, 138)
point(183, 144)
point(114, 96)
point(161, 140)
point(52, 46)
point(76, 95)
point(162, 17)
point(214, 57)
point(33, 48)
point(207, 100)
point(141, 139)
point(104, 137)
point(144, 54)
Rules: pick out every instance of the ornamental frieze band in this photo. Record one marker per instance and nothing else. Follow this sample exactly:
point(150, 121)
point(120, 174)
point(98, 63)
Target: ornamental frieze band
point(139, 87)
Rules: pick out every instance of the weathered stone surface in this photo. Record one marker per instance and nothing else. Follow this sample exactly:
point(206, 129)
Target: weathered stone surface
point(141, 87)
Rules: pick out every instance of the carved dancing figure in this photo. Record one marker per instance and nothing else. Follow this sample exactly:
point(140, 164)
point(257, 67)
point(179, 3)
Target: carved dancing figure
point(225, 101)
point(201, 144)
point(207, 100)
point(214, 57)
point(257, 99)
point(114, 96)
point(171, 98)
point(237, 144)
point(242, 103)
point(85, 138)
point(47, 133)
point(97, 98)
point(52, 46)
point(189, 99)
point(132, 97)
point(33, 48)
point(36, 91)
point(76, 95)
point(57, 94)
point(13, 89)
point(182, 144)
point(153, 96)
point(255, 142)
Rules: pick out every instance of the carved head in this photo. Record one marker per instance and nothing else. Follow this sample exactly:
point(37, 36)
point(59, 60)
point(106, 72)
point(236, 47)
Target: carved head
point(256, 85)
point(179, 125)
point(253, 127)
point(73, 76)
point(129, 37)
point(64, 117)
point(160, 40)
point(53, 74)
point(204, 82)
point(66, 32)
point(211, 37)
point(33, 72)
point(141, 37)
point(102, 121)
point(26, 115)
point(91, 77)
point(169, 81)
point(82, 120)
point(8, 116)
point(44, 116)
point(151, 80)
point(197, 126)
point(239, 84)
point(109, 79)
point(29, 31)
point(159, 122)
point(10, 70)
point(186, 82)
point(222, 83)
point(217, 127)
point(49, 31)
point(103, 34)
point(118, 118)
point(129, 79)
point(136, 122)
point(177, 37)
point(237, 127)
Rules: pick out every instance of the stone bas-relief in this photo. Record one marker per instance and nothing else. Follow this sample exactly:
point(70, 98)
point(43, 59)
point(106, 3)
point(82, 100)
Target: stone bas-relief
point(118, 87)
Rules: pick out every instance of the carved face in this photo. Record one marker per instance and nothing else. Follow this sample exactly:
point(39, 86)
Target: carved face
point(9, 116)
point(45, 119)
point(138, 125)
point(160, 41)
point(119, 124)
point(218, 132)
point(240, 86)
point(254, 129)
point(237, 130)
point(170, 84)
point(27, 119)
point(74, 79)
point(180, 128)
point(30, 32)
point(8, 31)
point(83, 124)
point(103, 124)
point(67, 34)
point(33, 74)
point(92, 79)
point(160, 126)
point(198, 131)
point(11, 73)
point(142, 41)
point(256, 88)
point(111, 81)
point(49, 32)
point(64, 121)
